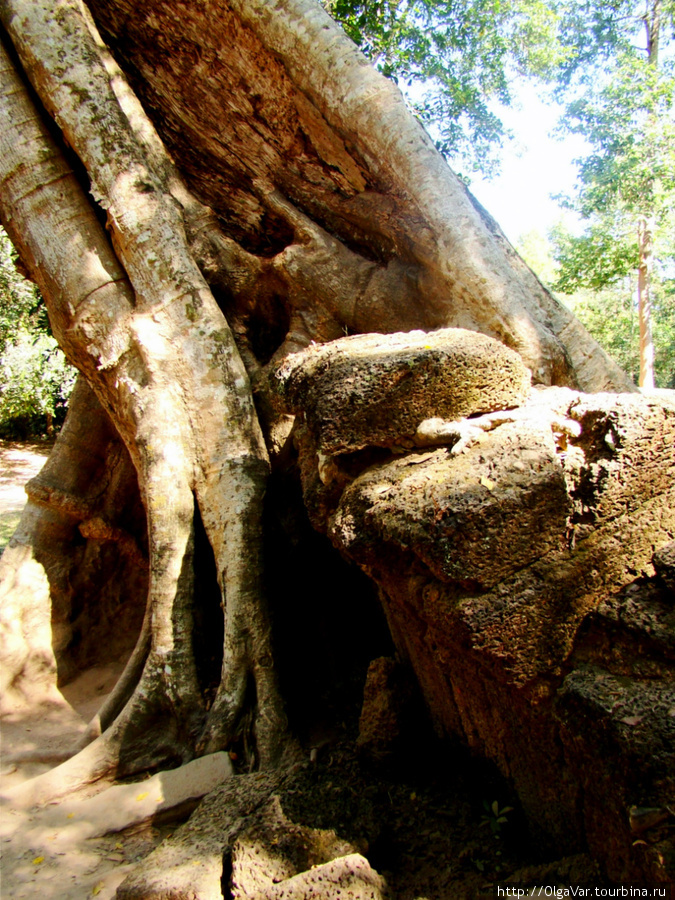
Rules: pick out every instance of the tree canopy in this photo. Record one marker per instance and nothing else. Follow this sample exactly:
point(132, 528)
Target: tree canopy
point(622, 86)
point(20, 306)
point(457, 64)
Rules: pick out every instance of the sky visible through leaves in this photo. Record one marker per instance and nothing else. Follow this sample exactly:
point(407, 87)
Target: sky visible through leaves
point(535, 167)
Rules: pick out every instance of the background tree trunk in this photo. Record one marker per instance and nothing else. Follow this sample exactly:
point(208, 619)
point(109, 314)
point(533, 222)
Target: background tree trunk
point(263, 188)
point(645, 265)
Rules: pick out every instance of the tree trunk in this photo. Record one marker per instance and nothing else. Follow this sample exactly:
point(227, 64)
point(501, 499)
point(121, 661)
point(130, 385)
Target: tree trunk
point(262, 188)
point(646, 225)
point(645, 263)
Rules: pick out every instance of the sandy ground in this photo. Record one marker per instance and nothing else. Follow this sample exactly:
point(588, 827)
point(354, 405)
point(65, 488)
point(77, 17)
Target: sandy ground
point(42, 857)
point(40, 860)
point(18, 463)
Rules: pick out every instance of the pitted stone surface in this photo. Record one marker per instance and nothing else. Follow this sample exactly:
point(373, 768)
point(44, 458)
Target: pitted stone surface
point(515, 567)
point(348, 878)
point(664, 563)
point(375, 389)
point(273, 850)
point(469, 518)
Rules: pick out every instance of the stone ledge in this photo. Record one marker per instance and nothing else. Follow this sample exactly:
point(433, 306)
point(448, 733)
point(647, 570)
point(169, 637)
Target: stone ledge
point(375, 390)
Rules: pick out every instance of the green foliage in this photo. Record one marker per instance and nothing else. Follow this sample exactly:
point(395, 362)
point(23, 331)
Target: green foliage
point(35, 379)
point(35, 383)
point(495, 817)
point(536, 249)
point(629, 122)
point(611, 316)
point(595, 33)
point(20, 303)
point(620, 75)
point(608, 310)
point(457, 62)
point(604, 254)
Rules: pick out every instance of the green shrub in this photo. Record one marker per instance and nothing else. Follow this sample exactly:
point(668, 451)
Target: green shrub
point(35, 383)
point(35, 379)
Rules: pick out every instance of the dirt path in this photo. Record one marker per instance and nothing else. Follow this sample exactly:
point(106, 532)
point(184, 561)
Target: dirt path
point(19, 462)
point(38, 859)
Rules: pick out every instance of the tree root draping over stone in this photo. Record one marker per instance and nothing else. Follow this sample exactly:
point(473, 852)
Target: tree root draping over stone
point(205, 192)
point(123, 334)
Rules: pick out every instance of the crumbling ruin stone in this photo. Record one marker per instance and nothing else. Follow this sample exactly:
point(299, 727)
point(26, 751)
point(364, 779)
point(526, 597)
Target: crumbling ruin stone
point(387, 714)
point(275, 857)
point(664, 563)
point(248, 849)
point(359, 397)
point(374, 390)
point(174, 870)
point(514, 558)
point(348, 877)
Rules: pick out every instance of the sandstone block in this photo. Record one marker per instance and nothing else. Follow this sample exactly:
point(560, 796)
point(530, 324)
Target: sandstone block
point(515, 572)
point(273, 850)
point(387, 703)
point(349, 878)
point(376, 389)
point(664, 563)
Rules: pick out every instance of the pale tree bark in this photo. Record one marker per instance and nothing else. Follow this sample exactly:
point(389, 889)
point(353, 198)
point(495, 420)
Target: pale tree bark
point(313, 205)
point(646, 225)
point(374, 179)
point(645, 266)
point(191, 436)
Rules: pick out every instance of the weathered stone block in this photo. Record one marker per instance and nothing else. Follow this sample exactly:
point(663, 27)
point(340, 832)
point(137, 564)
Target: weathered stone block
point(516, 572)
point(469, 518)
point(513, 552)
point(387, 707)
point(375, 389)
point(273, 850)
point(664, 563)
point(349, 878)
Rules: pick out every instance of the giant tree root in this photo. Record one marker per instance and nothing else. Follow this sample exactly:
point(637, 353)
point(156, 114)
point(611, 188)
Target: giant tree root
point(72, 594)
point(116, 700)
point(124, 806)
point(190, 862)
point(189, 424)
